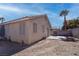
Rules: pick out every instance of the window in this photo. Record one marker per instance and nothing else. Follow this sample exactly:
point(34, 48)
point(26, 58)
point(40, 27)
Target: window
point(22, 28)
point(43, 28)
point(34, 27)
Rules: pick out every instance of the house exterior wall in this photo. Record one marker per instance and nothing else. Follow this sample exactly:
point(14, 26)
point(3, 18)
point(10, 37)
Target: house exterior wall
point(12, 31)
point(41, 21)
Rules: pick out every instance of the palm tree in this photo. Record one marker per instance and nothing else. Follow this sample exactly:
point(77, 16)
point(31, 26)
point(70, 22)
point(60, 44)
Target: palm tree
point(64, 13)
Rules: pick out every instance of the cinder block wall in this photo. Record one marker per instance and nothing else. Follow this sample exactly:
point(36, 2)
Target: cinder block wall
point(75, 32)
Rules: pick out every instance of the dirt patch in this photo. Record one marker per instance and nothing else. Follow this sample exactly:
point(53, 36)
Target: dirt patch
point(51, 48)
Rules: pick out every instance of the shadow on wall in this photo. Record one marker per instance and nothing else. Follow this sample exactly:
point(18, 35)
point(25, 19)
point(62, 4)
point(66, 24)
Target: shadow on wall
point(2, 30)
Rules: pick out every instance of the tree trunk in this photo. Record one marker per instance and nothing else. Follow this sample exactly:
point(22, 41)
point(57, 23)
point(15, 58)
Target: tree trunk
point(65, 23)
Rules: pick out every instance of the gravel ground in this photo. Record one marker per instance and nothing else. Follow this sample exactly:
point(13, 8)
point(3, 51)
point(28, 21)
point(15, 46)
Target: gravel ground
point(8, 48)
point(51, 48)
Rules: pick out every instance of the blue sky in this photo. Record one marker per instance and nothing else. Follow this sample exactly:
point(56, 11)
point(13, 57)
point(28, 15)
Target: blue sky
point(16, 10)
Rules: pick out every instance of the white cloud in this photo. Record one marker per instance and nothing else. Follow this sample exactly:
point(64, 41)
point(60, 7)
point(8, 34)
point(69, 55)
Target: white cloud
point(34, 10)
point(9, 8)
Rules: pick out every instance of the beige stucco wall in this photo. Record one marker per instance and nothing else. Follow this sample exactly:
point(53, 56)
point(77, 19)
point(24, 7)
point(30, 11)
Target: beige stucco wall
point(33, 37)
point(12, 30)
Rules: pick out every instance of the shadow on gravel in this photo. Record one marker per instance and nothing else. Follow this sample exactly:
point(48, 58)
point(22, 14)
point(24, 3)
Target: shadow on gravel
point(8, 48)
point(71, 39)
